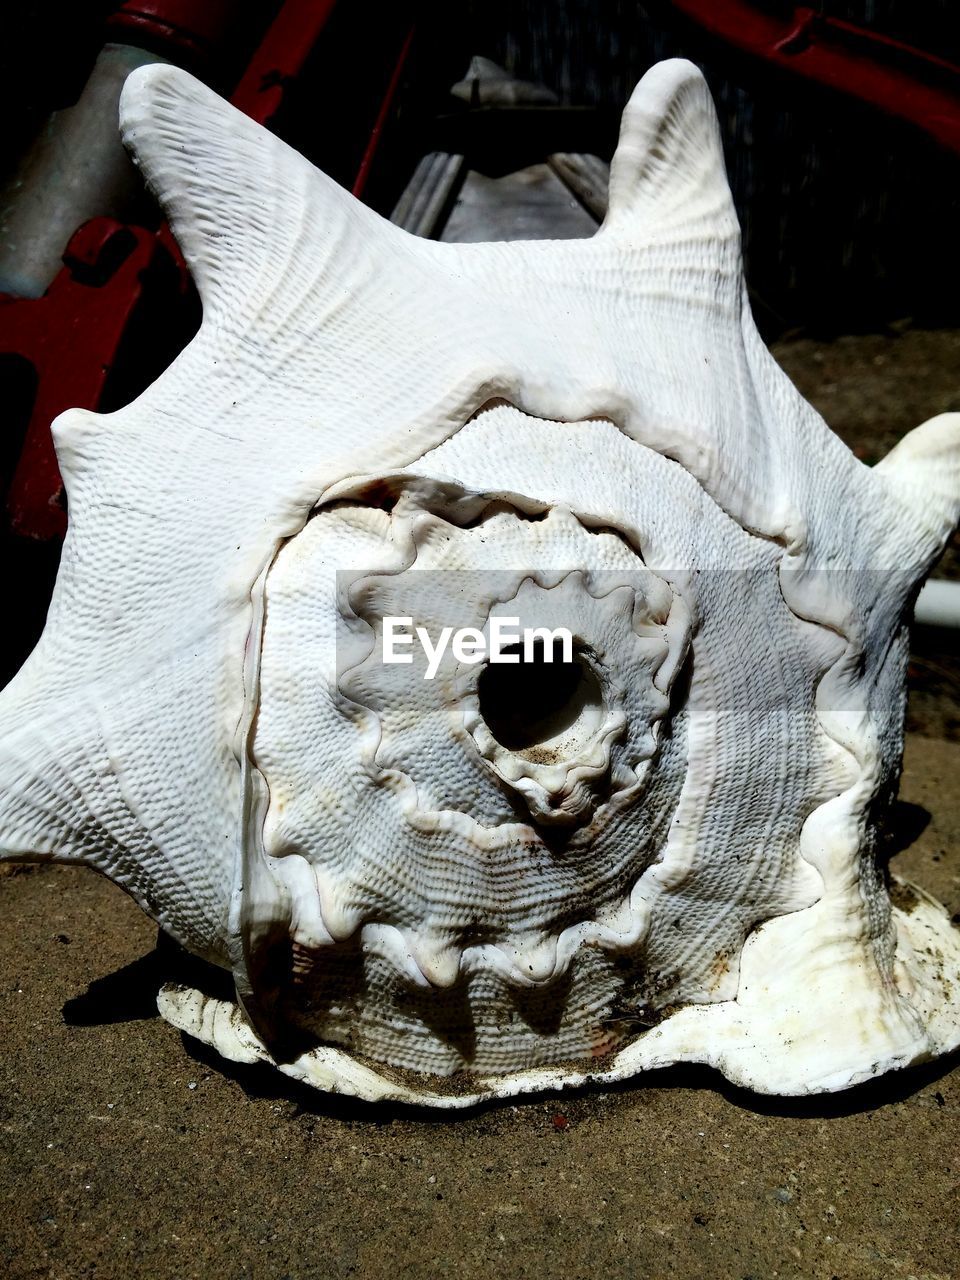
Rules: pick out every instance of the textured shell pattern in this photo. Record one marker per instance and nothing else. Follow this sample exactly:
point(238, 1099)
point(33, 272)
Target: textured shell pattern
point(590, 434)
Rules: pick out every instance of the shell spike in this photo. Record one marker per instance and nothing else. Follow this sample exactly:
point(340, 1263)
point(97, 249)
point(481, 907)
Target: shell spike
point(923, 471)
point(188, 141)
point(668, 176)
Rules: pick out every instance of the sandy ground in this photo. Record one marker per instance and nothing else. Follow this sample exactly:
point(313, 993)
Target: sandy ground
point(129, 1152)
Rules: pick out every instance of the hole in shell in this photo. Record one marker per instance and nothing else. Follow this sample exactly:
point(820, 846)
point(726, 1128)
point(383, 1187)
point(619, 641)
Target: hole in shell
point(543, 710)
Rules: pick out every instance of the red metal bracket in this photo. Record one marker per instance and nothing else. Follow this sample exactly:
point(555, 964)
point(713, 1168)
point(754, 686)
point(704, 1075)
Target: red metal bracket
point(71, 336)
point(896, 78)
point(280, 57)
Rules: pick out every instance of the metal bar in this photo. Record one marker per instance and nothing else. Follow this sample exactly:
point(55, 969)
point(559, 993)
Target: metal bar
point(363, 173)
point(843, 57)
point(280, 57)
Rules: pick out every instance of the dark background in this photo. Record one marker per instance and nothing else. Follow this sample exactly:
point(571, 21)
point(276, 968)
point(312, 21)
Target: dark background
point(849, 217)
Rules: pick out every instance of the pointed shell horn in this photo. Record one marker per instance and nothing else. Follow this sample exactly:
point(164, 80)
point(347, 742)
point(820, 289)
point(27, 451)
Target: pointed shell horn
point(923, 472)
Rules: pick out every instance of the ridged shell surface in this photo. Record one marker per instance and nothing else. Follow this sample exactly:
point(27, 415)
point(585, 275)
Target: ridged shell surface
point(446, 879)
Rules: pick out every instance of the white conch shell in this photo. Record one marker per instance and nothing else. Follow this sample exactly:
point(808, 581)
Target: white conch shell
point(412, 908)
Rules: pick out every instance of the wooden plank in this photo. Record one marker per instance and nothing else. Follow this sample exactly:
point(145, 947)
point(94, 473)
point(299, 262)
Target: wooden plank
point(428, 194)
point(588, 177)
point(531, 204)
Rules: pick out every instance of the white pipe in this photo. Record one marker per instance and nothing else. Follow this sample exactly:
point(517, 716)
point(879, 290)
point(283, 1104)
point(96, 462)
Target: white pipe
point(938, 604)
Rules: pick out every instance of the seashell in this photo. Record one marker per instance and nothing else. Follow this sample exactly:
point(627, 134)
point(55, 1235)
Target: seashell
point(508, 877)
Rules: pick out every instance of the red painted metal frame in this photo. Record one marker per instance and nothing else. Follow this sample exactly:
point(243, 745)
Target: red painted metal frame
point(280, 57)
point(176, 27)
point(898, 79)
point(72, 335)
